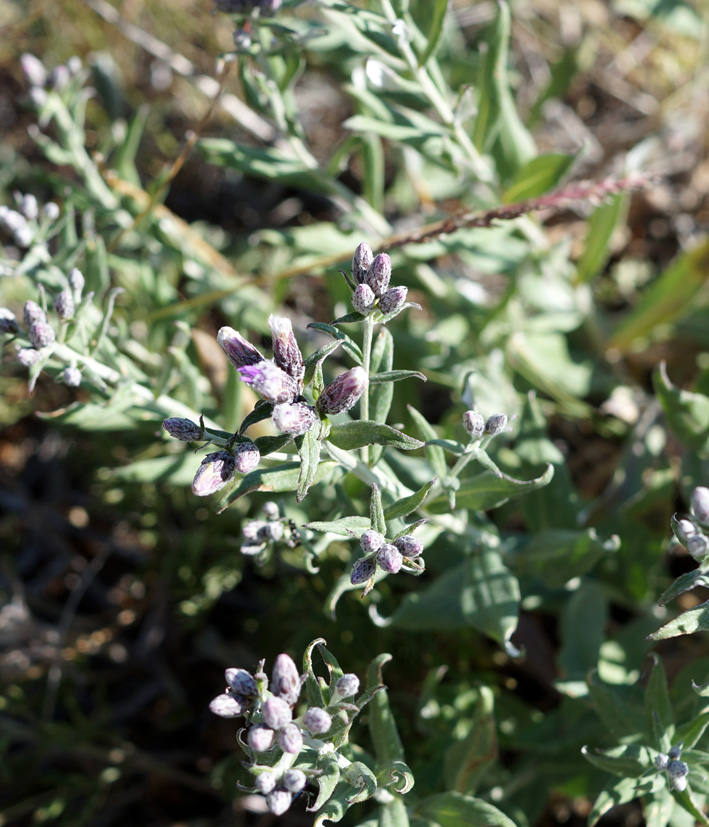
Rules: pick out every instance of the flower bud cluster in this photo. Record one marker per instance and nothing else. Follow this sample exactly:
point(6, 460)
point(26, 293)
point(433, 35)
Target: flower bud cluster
point(677, 771)
point(273, 736)
point(391, 556)
point(261, 535)
point(28, 223)
point(219, 467)
point(477, 427)
point(370, 283)
point(693, 530)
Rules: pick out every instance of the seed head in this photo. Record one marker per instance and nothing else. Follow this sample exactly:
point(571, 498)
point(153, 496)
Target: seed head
point(8, 322)
point(216, 470)
point(295, 418)
point(286, 352)
point(64, 305)
point(260, 738)
point(227, 706)
point(276, 713)
point(246, 457)
point(379, 274)
point(41, 334)
point(389, 558)
point(342, 393)
point(361, 262)
point(371, 541)
point(238, 350)
point(270, 382)
point(393, 300)
point(183, 429)
point(700, 504)
point(496, 424)
point(362, 571)
point(285, 680)
point(290, 739)
point(409, 545)
point(317, 721)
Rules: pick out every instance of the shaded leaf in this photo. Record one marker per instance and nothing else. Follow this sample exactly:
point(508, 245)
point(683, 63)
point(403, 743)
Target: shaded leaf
point(348, 436)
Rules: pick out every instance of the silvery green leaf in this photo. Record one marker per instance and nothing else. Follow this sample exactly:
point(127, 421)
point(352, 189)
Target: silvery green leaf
point(356, 434)
point(317, 358)
point(407, 505)
point(281, 478)
point(395, 376)
point(308, 447)
point(349, 344)
point(486, 490)
point(344, 527)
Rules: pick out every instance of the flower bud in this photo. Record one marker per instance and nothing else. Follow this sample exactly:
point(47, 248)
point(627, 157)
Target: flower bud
point(285, 680)
point(698, 546)
point(266, 782)
point(662, 761)
point(227, 706)
point(379, 274)
point(270, 382)
point(278, 802)
point(393, 300)
point(276, 713)
point(27, 356)
point(238, 350)
point(41, 334)
point(29, 207)
point(362, 571)
point(496, 424)
point(317, 721)
point(246, 457)
point(286, 352)
point(294, 418)
point(700, 504)
point(363, 299)
point(39, 98)
point(8, 322)
point(409, 545)
point(216, 470)
point(677, 769)
point(33, 313)
point(342, 393)
point(347, 686)
point(294, 780)
point(371, 541)
point(64, 305)
point(241, 682)
point(675, 752)
point(33, 69)
point(271, 510)
point(274, 531)
point(77, 282)
point(474, 424)
point(71, 376)
point(23, 236)
point(183, 429)
point(361, 262)
point(683, 528)
point(290, 739)
point(59, 77)
point(260, 738)
point(679, 783)
point(389, 558)
point(254, 530)
point(50, 211)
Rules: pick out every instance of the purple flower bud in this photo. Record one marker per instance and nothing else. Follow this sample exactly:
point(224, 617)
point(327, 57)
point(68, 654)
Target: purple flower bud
point(216, 470)
point(286, 352)
point(409, 545)
point(50, 211)
point(266, 782)
point(74, 64)
point(698, 546)
point(361, 262)
point(76, 281)
point(700, 504)
point(241, 682)
point(29, 207)
point(393, 300)
point(8, 322)
point(677, 769)
point(27, 356)
point(39, 98)
point(675, 751)
point(279, 801)
point(276, 713)
point(239, 351)
point(23, 236)
point(317, 721)
point(33, 69)
point(294, 780)
point(64, 305)
point(33, 313)
point(59, 77)
point(347, 686)
point(379, 274)
point(270, 382)
point(246, 457)
point(474, 424)
point(260, 738)
point(274, 531)
point(71, 376)
point(285, 680)
point(294, 418)
point(227, 706)
point(389, 558)
point(371, 541)
point(342, 393)
point(183, 429)
point(662, 761)
point(678, 783)
point(496, 424)
point(41, 334)
point(271, 510)
point(290, 739)
point(363, 299)
point(362, 571)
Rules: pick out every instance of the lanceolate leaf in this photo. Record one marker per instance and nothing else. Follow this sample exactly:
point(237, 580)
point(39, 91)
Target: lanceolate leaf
point(486, 490)
point(352, 435)
point(454, 809)
point(434, 453)
point(687, 413)
point(345, 527)
point(317, 358)
point(407, 505)
point(693, 620)
point(309, 450)
point(437, 9)
point(349, 344)
point(275, 480)
point(395, 376)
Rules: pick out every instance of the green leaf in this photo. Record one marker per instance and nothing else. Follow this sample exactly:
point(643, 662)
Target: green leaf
point(687, 413)
point(393, 814)
point(467, 760)
point(362, 779)
point(658, 707)
point(407, 505)
point(485, 491)
point(685, 582)
point(614, 707)
point(349, 318)
point(623, 791)
point(691, 732)
point(344, 527)
point(309, 450)
point(382, 727)
point(537, 177)
point(691, 621)
point(582, 627)
point(667, 299)
point(454, 810)
point(348, 436)
point(395, 376)
point(270, 444)
point(327, 779)
point(437, 14)
point(178, 469)
point(629, 761)
point(434, 453)
point(317, 358)
point(376, 512)
point(381, 361)
point(275, 480)
point(349, 344)
point(601, 227)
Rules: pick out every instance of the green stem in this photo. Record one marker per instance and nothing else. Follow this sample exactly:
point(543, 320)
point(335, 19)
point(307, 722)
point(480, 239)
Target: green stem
point(367, 335)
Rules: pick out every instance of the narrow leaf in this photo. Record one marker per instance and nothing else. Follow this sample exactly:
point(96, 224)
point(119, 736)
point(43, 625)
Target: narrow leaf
point(454, 809)
point(376, 512)
point(309, 450)
point(407, 505)
point(348, 436)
